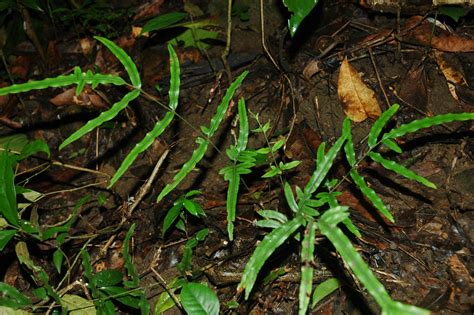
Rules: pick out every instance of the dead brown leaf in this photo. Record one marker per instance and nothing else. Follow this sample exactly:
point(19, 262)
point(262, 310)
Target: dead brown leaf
point(413, 87)
point(452, 71)
point(422, 32)
point(358, 100)
point(148, 10)
point(87, 98)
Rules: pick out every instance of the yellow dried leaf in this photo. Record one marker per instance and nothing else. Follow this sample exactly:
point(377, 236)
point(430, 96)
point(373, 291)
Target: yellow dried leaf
point(357, 98)
point(452, 71)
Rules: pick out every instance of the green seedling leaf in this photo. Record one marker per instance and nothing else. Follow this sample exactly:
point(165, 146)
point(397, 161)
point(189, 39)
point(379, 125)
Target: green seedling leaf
point(58, 258)
point(299, 9)
point(77, 305)
point(7, 190)
point(307, 254)
point(108, 278)
point(5, 237)
point(125, 59)
point(163, 21)
point(273, 215)
point(103, 117)
point(63, 80)
point(269, 224)
point(15, 142)
point(425, 123)
point(11, 297)
point(274, 171)
point(273, 275)
point(324, 289)
point(33, 148)
point(123, 295)
point(129, 265)
point(194, 37)
point(379, 124)
point(392, 145)
point(264, 250)
point(371, 195)
point(289, 166)
point(193, 208)
point(164, 303)
point(199, 299)
point(171, 216)
point(161, 125)
point(401, 170)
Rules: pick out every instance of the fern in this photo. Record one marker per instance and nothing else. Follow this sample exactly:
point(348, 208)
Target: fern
point(199, 152)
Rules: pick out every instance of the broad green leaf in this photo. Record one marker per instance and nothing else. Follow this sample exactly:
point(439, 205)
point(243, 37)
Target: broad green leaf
point(400, 169)
point(425, 123)
point(324, 289)
point(299, 9)
point(264, 250)
point(125, 59)
point(371, 195)
point(171, 216)
point(77, 305)
point(193, 207)
point(103, 117)
point(11, 297)
point(198, 299)
point(4, 310)
point(194, 37)
point(5, 237)
point(163, 21)
point(63, 80)
point(164, 303)
point(108, 277)
point(307, 254)
point(7, 190)
point(33, 148)
point(15, 142)
point(379, 124)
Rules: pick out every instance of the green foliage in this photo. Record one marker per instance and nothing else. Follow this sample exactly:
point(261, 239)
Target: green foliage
point(199, 299)
point(163, 21)
point(203, 144)
point(307, 206)
point(299, 9)
point(176, 211)
point(185, 264)
point(324, 289)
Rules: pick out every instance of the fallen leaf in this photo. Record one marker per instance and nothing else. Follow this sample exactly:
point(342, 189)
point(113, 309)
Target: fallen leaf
point(422, 32)
point(452, 71)
point(313, 67)
point(357, 98)
point(413, 87)
point(87, 98)
point(148, 10)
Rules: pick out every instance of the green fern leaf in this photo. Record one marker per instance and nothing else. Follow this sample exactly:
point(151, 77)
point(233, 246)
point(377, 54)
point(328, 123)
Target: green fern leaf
point(427, 122)
point(392, 145)
point(161, 125)
point(400, 169)
point(125, 59)
point(264, 250)
point(103, 117)
point(307, 254)
point(371, 195)
point(379, 124)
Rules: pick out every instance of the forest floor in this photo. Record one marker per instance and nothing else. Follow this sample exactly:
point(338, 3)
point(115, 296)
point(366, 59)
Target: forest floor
point(424, 258)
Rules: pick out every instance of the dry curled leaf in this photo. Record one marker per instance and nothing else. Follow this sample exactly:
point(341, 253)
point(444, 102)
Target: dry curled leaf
point(358, 100)
point(452, 71)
